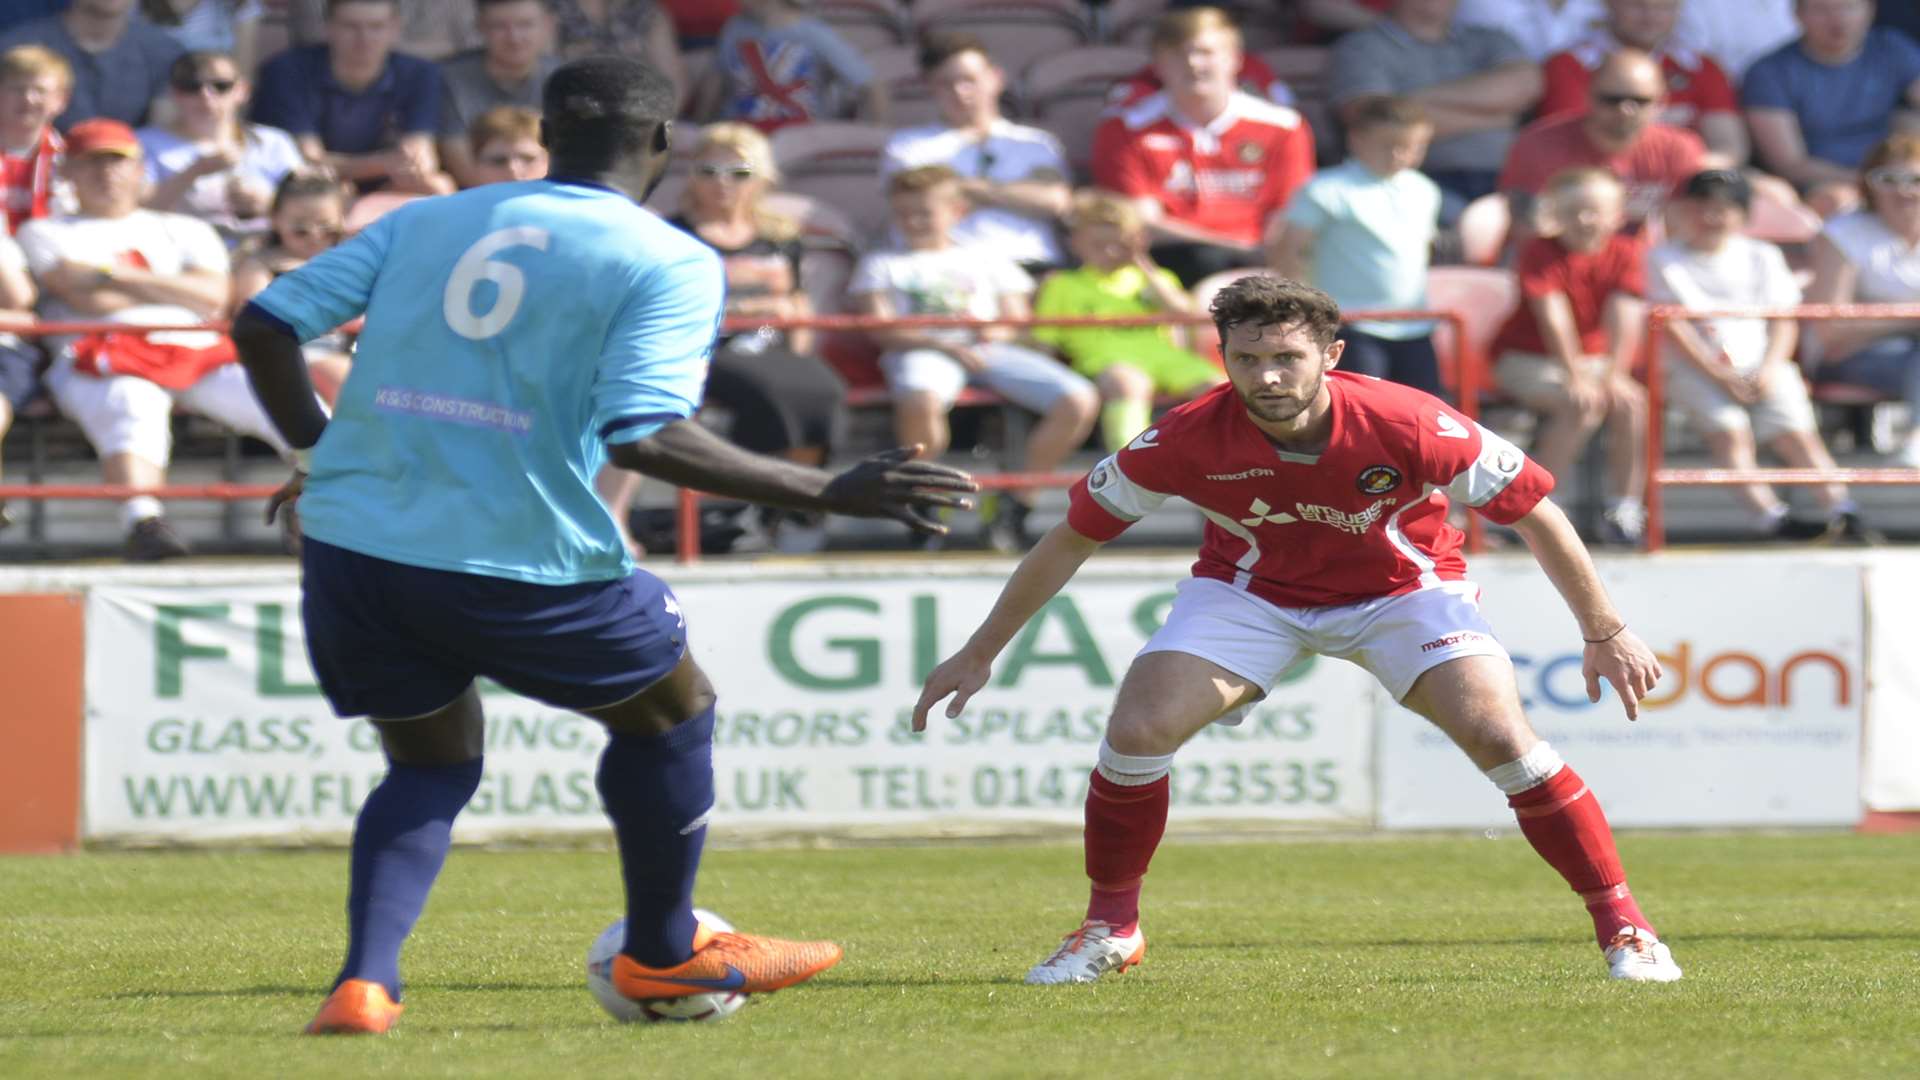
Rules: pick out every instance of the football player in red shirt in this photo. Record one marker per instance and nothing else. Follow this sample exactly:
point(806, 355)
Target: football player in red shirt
point(1326, 498)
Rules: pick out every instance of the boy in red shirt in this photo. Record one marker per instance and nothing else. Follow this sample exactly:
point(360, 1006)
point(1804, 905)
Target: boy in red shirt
point(34, 86)
point(1567, 353)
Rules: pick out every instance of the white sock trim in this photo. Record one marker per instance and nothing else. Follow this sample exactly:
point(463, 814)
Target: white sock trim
point(1128, 770)
point(138, 509)
point(1529, 770)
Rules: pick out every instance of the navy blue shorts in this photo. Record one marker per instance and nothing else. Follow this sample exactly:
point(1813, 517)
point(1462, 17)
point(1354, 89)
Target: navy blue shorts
point(393, 641)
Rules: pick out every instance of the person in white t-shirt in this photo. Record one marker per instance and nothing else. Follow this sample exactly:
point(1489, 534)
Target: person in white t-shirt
point(1014, 177)
point(115, 262)
point(926, 368)
point(1735, 378)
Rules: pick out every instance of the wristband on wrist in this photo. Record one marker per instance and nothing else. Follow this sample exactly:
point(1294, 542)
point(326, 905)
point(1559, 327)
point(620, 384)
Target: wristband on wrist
point(1609, 637)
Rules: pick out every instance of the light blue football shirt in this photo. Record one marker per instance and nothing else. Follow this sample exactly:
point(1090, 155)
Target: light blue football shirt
point(513, 332)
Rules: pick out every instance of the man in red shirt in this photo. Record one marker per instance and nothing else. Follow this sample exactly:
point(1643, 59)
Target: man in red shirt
point(1205, 162)
point(1700, 97)
point(1618, 132)
point(34, 86)
point(1326, 497)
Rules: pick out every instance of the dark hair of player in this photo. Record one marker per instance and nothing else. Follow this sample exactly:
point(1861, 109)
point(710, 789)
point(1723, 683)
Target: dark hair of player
point(600, 110)
point(1266, 300)
point(939, 46)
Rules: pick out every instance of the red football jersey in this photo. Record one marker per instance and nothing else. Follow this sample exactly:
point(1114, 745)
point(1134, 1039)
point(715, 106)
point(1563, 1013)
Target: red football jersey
point(1696, 86)
point(1362, 519)
point(1228, 176)
point(1588, 278)
point(1657, 162)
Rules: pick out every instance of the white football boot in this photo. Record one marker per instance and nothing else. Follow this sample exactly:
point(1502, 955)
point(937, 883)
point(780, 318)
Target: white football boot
point(1638, 956)
point(1088, 953)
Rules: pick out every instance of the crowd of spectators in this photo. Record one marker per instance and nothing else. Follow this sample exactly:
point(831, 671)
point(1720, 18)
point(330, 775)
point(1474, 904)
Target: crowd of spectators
point(162, 160)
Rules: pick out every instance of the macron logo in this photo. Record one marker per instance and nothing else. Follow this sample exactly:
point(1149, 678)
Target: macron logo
point(1146, 440)
point(1450, 428)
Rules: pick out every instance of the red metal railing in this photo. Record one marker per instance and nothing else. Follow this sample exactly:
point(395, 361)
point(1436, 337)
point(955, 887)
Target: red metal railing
point(1659, 476)
point(1466, 368)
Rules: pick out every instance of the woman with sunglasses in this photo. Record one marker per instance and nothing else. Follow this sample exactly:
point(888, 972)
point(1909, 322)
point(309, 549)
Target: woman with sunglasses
point(208, 162)
point(784, 400)
point(308, 216)
point(1872, 256)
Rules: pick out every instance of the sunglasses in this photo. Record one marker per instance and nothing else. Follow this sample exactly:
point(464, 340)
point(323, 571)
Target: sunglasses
point(195, 86)
point(1904, 181)
point(1616, 100)
point(738, 173)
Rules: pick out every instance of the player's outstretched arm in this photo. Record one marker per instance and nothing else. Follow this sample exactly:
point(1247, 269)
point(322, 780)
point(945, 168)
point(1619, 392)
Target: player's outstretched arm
point(886, 485)
point(1613, 652)
point(278, 372)
point(1050, 565)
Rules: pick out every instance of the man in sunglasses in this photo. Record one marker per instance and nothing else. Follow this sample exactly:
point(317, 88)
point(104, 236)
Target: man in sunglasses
point(1619, 132)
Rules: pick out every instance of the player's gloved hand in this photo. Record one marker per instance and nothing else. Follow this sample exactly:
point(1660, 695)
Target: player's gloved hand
point(893, 485)
point(284, 504)
point(962, 675)
point(1626, 662)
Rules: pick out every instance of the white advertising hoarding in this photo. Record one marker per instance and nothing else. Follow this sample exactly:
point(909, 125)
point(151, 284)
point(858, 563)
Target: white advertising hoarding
point(204, 723)
point(1756, 722)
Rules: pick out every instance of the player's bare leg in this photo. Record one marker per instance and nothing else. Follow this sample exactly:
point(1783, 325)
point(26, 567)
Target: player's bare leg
point(920, 417)
point(656, 781)
point(400, 841)
point(1474, 700)
point(1165, 698)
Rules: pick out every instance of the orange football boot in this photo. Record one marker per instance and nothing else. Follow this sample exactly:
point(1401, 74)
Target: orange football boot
point(724, 961)
point(356, 1007)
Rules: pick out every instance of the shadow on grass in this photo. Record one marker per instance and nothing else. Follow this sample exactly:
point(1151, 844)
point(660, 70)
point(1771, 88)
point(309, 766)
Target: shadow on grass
point(1462, 942)
point(316, 991)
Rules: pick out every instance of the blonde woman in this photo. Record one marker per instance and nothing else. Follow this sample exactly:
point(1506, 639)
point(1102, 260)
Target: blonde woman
point(1872, 256)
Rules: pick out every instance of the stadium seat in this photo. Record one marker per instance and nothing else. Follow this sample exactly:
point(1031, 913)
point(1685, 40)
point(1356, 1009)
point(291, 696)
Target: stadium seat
point(1776, 220)
point(1484, 226)
point(369, 208)
point(1067, 93)
point(1128, 22)
point(665, 199)
point(838, 164)
point(867, 25)
point(1015, 32)
point(820, 223)
point(911, 103)
point(1302, 67)
point(1484, 297)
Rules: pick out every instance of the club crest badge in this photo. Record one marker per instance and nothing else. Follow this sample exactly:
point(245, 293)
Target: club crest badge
point(1378, 479)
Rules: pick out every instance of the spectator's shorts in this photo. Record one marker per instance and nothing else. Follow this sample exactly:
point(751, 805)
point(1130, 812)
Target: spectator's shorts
point(393, 641)
point(1784, 410)
point(1532, 377)
point(126, 414)
point(1027, 378)
point(19, 371)
point(1396, 638)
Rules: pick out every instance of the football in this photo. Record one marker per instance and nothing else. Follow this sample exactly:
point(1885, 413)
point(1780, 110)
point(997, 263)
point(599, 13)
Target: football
point(713, 1006)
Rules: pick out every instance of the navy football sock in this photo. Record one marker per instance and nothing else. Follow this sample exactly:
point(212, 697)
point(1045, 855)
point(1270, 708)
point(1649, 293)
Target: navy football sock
point(658, 790)
point(399, 843)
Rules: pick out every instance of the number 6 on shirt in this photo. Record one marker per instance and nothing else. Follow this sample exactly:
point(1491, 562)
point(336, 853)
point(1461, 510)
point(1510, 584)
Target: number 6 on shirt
point(478, 265)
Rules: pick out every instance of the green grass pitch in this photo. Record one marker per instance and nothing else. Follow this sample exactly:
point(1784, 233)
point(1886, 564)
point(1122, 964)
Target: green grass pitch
point(1413, 957)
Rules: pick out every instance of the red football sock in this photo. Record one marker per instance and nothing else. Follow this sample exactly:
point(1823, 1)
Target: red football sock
point(1564, 823)
point(1124, 825)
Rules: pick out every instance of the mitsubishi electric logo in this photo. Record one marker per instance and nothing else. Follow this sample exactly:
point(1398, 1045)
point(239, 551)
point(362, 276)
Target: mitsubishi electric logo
point(1264, 515)
point(1355, 523)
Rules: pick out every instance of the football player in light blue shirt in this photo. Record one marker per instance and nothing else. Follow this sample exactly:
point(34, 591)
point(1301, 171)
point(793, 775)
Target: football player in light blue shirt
point(517, 337)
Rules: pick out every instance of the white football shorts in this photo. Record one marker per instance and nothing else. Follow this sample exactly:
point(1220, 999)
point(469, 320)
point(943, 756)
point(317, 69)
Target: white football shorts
point(1396, 638)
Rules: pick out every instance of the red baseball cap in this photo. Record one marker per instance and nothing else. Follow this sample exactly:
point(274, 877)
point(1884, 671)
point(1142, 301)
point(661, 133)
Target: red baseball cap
point(102, 136)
